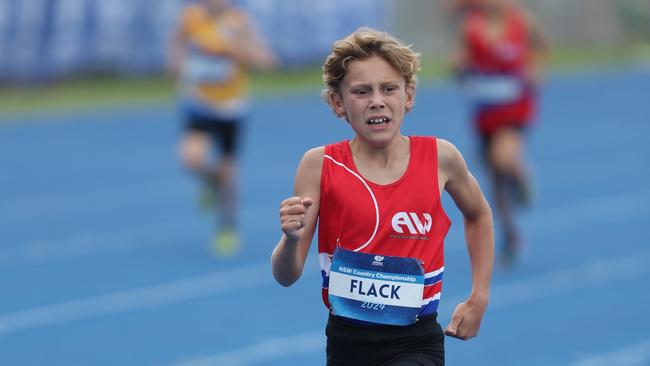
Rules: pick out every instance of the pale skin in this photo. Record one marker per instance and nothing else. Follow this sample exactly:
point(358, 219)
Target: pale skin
point(372, 88)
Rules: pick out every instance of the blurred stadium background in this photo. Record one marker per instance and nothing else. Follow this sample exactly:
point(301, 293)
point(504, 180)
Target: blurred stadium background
point(103, 257)
point(46, 42)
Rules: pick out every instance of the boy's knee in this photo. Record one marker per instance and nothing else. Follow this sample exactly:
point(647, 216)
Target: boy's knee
point(191, 160)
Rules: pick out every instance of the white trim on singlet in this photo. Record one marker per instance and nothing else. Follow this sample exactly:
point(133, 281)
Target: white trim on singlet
point(435, 272)
point(372, 195)
point(436, 296)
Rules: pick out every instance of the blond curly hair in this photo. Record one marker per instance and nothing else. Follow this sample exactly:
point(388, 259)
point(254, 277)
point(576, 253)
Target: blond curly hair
point(362, 44)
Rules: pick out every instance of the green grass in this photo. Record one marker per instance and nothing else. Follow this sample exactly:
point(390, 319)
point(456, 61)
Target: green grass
point(84, 92)
point(101, 91)
point(570, 59)
point(98, 91)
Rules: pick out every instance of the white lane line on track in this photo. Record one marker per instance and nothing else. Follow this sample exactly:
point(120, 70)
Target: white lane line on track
point(75, 201)
point(502, 296)
point(567, 280)
point(637, 354)
point(590, 212)
point(263, 351)
point(555, 220)
point(209, 285)
point(112, 241)
point(141, 298)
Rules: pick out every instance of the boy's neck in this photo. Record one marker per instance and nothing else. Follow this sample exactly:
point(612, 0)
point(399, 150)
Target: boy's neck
point(384, 165)
point(395, 150)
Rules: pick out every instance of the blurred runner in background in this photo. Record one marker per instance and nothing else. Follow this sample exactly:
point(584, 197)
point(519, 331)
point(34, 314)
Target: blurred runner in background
point(498, 60)
point(211, 50)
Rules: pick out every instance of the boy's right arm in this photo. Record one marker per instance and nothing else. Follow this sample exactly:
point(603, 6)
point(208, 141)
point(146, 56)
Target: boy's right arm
point(298, 219)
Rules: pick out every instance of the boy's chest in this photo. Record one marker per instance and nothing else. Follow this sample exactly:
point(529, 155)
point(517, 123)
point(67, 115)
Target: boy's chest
point(383, 174)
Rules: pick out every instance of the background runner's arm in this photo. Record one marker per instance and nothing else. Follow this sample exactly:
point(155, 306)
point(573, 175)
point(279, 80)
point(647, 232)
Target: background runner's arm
point(250, 47)
point(539, 49)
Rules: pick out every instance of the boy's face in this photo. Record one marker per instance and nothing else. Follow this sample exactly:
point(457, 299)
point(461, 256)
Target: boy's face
point(374, 99)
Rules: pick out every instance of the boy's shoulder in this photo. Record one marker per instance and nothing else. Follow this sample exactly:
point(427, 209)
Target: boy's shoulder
point(316, 151)
point(314, 155)
point(448, 153)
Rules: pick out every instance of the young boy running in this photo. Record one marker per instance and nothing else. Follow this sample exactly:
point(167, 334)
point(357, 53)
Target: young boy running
point(376, 199)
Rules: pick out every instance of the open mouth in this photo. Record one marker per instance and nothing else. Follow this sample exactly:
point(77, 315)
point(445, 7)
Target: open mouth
point(378, 120)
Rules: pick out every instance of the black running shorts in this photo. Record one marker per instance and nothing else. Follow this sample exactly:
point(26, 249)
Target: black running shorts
point(224, 132)
point(420, 344)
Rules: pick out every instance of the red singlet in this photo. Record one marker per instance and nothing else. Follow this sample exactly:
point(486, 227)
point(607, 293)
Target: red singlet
point(508, 54)
point(404, 218)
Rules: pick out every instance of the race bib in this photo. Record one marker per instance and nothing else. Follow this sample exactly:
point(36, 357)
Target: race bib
point(493, 89)
point(374, 288)
point(207, 69)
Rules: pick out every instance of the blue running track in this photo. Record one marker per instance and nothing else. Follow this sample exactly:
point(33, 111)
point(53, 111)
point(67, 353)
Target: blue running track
point(104, 254)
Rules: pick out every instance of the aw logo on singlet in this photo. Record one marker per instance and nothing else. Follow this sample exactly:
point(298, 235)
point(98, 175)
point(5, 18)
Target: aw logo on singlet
point(411, 223)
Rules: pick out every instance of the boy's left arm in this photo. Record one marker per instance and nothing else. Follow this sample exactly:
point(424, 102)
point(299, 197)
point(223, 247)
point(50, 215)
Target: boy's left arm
point(479, 235)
